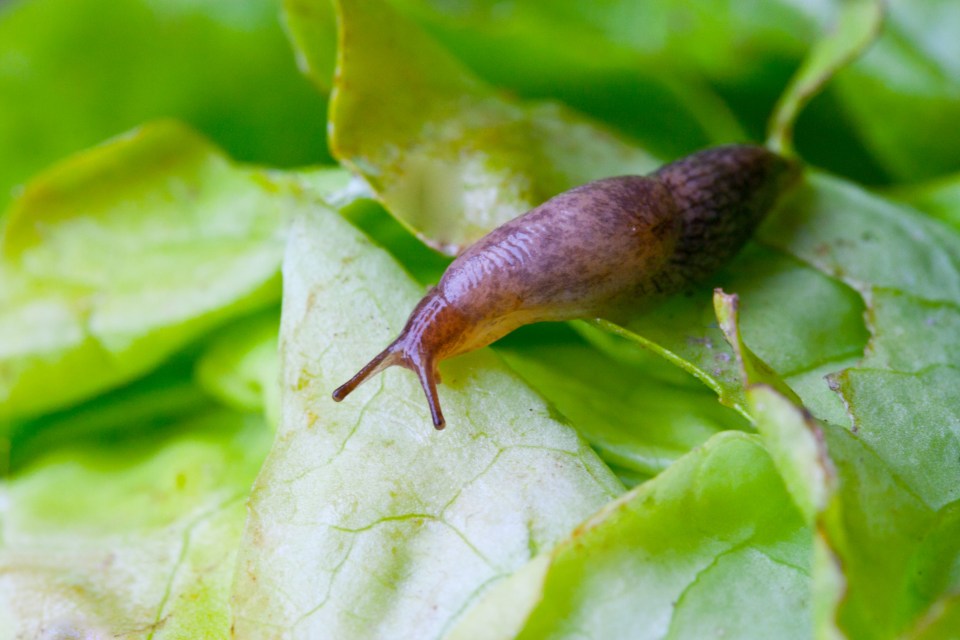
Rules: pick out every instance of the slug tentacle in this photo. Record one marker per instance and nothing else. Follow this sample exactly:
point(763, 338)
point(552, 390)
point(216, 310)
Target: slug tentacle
point(427, 372)
point(415, 351)
point(384, 359)
point(605, 248)
point(421, 364)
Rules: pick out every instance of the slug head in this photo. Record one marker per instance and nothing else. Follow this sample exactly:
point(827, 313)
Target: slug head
point(424, 341)
point(396, 354)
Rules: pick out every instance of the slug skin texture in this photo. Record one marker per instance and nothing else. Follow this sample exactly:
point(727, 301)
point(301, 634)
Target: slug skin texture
point(593, 251)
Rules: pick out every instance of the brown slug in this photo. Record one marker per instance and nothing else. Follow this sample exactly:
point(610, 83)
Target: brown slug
point(595, 250)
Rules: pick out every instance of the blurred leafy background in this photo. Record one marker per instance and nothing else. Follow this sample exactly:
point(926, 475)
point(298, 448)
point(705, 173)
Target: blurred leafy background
point(138, 358)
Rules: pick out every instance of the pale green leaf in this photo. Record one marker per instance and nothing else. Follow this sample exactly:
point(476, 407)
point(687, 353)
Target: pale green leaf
point(715, 533)
point(137, 538)
point(365, 521)
point(121, 255)
point(447, 154)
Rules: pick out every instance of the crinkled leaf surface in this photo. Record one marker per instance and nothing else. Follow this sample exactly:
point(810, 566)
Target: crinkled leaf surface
point(121, 255)
point(365, 521)
point(446, 153)
point(888, 510)
point(867, 241)
point(133, 538)
point(884, 497)
point(898, 474)
point(74, 72)
point(715, 533)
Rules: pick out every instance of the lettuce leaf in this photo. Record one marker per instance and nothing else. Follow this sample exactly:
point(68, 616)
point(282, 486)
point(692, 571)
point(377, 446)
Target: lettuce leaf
point(137, 536)
point(138, 292)
point(885, 534)
point(119, 256)
point(633, 414)
point(365, 521)
point(76, 72)
point(715, 533)
point(447, 154)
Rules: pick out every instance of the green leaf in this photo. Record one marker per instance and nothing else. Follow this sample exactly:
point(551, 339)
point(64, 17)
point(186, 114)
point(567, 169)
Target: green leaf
point(807, 322)
point(633, 418)
point(714, 534)
point(883, 497)
point(312, 27)
point(445, 153)
point(669, 114)
point(241, 366)
point(362, 507)
point(167, 395)
point(910, 334)
point(424, 264)
point(874, 527)
point(75, 72)
point(912, 421)
point(793, 438)
point(903, 95)
point(941, 621)
point(800, 322)
point(121, 255)
point(134, 537)
point(642, 67)
point(939, 198)
point(718, 38)
point(867, 241)
point(857, 26)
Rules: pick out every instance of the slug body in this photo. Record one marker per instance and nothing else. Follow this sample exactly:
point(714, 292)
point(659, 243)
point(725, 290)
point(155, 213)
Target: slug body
point(596, 250)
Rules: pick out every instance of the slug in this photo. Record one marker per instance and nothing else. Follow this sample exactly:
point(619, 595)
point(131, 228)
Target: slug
point(600, 249)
